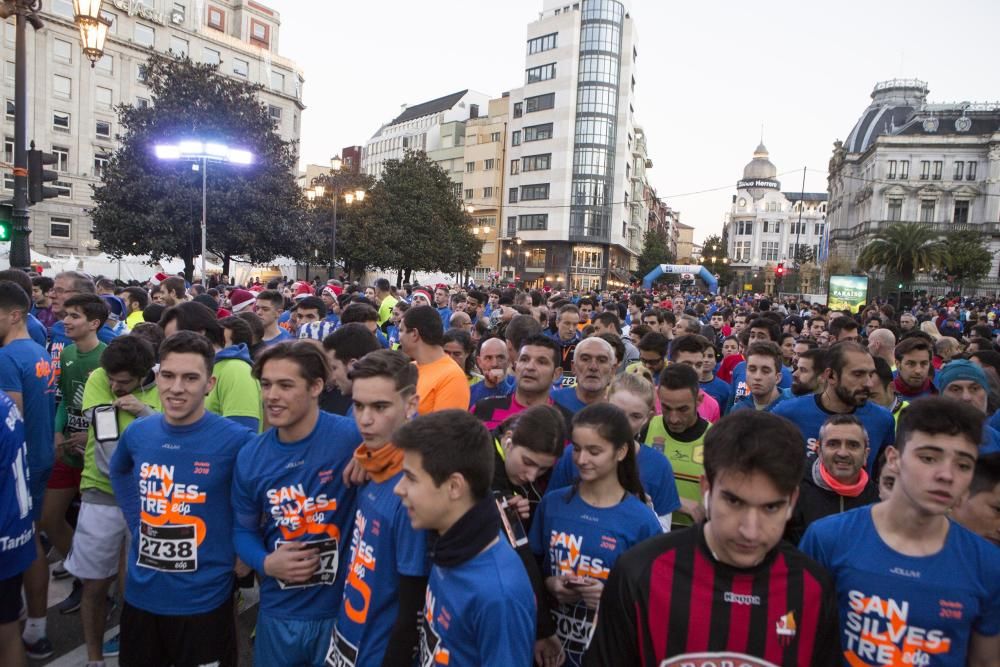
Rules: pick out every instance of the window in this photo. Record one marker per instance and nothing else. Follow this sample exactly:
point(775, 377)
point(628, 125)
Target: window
point(103, 129)
point(961, 211)
point(590, 161)
point(9, 70)
point(600, 37)
point(495, 137)
point(959, 170)
point(100, 165)
point(772, 227)
point(515, 165)
point(274, 112)
point(541, 73)
point(112, 19)
point(534, 222)
point(970, 171)
point(543, 43)
point(538, 132)
point(539, 102)
point(179, 46)
point(106, 64)
point(535, 259)
point(278, 82)
point(588, 258)
point(140, 73)
point(511, 194)
point(104, 96)
point(744, 227)
point(769, 251)
point(596, 99)
point(598, 68)
point(61, 86)
point(211, 56)
point(62, 50)
point(469, 193)
point(8, 180)
point(925, 170)
point(260, 33)
point(487, 193)
point(62, 158)
point(470, 167)
point(60, 228)
point(62, 8)
point(141, 103)
point(818, 229)
point(795, 228)
point(536, 162)
point(595, 131)
point(241, 67)
point(8, 149)
point(895, 209)
point(534, 192)
point(144, 35)
point(938, 168)
point(927, 210)
point(742, 250)
point(60, 121)
point(489, 165)
point(65, 189)
point(518, 109)
point(487, 221)
point(216, 18)
point(511, 225)
point(179, 11)
point(10, 110)
point(892, 169)
point(515, 138)
point(904, 169)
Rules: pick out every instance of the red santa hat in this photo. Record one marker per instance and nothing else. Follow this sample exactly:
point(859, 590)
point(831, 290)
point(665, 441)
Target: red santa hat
point(420, 291)
point(301, 290)
point(158, 278)
point(333, 291)
point(241, 300)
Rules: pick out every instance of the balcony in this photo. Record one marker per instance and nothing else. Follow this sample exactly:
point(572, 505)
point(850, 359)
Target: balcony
point(875, 226)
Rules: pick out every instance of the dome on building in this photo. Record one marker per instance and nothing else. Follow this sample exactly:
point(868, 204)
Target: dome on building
point(893, 105)
point(759, 167)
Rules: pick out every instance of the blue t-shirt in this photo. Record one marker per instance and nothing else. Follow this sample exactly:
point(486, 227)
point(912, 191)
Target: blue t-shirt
point(36, 330)
point(739, 383)
point(445, 314)
point(994, 421)
point(567, 398)
point(281, 337)
point(173, 484)
point(298, 489)
point(991, 441)
point(747, 402)
point(655, 473)
point(26, 368)
point(481, 612)
point(480, 390)
point(906, 610)
point(576, 539)
point(17, 548)
point(718, 389)
point(807, 413)
point(384, 546)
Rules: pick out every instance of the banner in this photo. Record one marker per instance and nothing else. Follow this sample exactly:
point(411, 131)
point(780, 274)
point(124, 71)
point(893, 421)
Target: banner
point(847, 293)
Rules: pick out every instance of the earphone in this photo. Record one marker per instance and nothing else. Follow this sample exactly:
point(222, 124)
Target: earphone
point(704, 501)
point(788, 513)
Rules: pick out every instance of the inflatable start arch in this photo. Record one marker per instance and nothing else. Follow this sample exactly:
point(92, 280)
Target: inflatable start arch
point(669, 269)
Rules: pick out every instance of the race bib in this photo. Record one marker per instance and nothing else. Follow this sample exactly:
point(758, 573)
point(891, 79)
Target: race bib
point(329, 558)
point(172, 548)
point(342, 653)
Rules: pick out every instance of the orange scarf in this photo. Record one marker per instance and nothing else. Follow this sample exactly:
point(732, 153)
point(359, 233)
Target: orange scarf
point(381, 464)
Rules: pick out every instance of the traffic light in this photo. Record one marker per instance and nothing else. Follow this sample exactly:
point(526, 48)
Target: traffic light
point(780, 271)
point(38, 175)
point(6, 221)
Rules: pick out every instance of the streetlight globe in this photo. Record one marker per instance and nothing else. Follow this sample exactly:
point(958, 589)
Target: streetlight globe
point(475, 231)
point(349, 198)
point(336, 163)
point(311, 195)
point(320, 190)
point(519, 241)
point(359, 195)
point(90, 9)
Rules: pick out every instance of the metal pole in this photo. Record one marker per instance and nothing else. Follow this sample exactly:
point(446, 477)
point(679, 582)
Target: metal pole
point(802, 204)
point(204, 218)
point(333, 249)
point(20, 252)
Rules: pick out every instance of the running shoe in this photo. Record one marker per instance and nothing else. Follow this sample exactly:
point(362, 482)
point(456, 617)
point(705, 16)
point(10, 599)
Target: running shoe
point(39, 650)
point(111, 648)
point(72, 602)
point(60, 571)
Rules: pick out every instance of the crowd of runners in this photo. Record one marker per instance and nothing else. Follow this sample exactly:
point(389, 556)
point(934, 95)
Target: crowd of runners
point(471, 476)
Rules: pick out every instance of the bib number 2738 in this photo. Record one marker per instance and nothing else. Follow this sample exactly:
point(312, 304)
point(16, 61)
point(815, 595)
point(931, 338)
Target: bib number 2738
point(168, 548)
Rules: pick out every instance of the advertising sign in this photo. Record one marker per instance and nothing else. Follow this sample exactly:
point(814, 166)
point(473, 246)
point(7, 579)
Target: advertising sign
point(847, 293)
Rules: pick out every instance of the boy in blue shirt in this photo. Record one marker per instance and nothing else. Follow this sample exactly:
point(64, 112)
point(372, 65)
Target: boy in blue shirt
point(291, 476)
point(388, 566)
point(763, 370)
point(172, 477)
point(17, 545)
point(479, 607)
point(913, 586)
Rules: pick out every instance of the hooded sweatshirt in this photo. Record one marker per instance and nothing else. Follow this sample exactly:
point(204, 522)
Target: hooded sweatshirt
point(236, 394)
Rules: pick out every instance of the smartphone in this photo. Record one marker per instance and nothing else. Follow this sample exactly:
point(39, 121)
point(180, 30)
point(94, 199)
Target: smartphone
point(105, 423)
point(579, 582)
point(511, 521)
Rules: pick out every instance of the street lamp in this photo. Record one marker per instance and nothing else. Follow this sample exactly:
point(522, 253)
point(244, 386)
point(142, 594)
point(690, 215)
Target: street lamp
point(93, 28)
point(320, 184)
point(201, 153)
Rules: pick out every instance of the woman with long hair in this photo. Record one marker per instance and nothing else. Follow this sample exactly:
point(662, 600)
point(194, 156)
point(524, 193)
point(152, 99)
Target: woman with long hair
point(580, 531)
point(458, 345)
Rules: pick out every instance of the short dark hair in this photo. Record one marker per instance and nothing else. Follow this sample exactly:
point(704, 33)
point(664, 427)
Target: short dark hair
point(844, 419)
point(540, 340)
point(174, 284)
point(240, 331)
point(92, 306)
point(653, 312)
point(137, 294)
point(128, 354)
point(382, 284)
point(608, 319)
point(910, 344)
point(358, 312)
point(654, 341)
point(43, 283)
point(426, 321)
point(13, 297)
point(616, 343)
point(940, 415)
point(189, 342)
point(449, 442)
point(312, 363)
point(312, 303)
point(351, 341)
point(567, 308)
point(752, 441)
point(254, 322)
point(882, 369)
point(391, 364)
point(809, 342)
point(685, 343)
point(842, 324)
point(836, 354)
point(192, 316)
point(520, 328)
point(987, 474)
point(151, 332)
point(766, 348)
point(272, 296)
point(18, 276)
point(680, 376)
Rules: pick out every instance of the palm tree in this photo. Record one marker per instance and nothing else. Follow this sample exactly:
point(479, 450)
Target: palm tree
point(903, 249)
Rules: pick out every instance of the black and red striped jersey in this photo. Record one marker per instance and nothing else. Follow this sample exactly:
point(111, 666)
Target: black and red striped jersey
point(669, 602)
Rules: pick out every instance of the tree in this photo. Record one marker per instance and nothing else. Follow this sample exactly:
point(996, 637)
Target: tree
point(147, 206)
point(417, 224)
point(803, 255)
point(967, 262)
point(350, 219)
point(902, 249)
point(655, 251)
point(715, 258)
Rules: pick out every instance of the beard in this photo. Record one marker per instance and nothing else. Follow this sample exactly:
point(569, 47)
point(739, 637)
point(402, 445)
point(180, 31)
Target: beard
point(857, 399)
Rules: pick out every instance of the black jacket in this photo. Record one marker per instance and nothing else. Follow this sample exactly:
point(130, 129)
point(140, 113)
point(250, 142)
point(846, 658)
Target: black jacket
point(816, 501)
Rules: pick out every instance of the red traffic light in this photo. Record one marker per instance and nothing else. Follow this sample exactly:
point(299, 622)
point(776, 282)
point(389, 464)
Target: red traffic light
point(781, 269)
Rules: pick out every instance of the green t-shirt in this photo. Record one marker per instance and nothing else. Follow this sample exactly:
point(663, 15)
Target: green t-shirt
point(385, 309)
point(76, 368)
point(686, 456)
point(96, 458)
point(236, 392)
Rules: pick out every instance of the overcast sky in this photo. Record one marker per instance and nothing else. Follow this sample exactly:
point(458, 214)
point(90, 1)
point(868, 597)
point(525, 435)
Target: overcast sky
point(710, 74)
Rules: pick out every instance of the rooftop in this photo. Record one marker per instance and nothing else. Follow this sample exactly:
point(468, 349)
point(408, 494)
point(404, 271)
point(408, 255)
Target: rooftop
point(428, 108)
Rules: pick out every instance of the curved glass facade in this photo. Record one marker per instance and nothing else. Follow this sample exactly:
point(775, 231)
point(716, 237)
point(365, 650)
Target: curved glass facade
point(596, 113)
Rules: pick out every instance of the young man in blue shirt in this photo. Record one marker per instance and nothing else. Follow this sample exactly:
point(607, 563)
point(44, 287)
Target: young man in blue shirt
point(913, 586)
point(387, 567)
point(763, 371)
point(479, 607)
point(172, 477)
point(291, 476)
point(17, 545)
